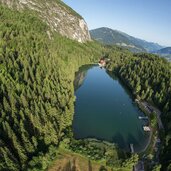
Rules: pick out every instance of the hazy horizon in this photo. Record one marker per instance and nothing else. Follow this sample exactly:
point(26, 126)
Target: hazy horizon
point(147, 20)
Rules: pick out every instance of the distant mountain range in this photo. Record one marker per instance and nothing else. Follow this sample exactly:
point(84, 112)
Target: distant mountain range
point(115, 37)
point(164, 52)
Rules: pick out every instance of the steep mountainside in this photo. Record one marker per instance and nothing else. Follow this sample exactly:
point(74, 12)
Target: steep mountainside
point(36, 87)
point(57, 15)
point(114, 37)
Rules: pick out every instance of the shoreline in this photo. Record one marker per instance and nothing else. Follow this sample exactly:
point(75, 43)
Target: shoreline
point(148, 110)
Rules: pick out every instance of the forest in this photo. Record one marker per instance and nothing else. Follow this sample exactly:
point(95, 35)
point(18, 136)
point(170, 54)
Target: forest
point(37, 92)
point(148, 78)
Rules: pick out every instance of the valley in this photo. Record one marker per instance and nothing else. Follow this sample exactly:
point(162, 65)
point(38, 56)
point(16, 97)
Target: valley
point(60, 112)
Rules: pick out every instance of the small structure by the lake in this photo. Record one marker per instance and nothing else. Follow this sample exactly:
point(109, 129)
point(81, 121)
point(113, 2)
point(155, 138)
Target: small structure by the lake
point(132, 148)
point(146, 128)
point(102, 62)
point(143, 117)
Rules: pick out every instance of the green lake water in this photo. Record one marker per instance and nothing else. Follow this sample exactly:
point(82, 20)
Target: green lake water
point(105, 110)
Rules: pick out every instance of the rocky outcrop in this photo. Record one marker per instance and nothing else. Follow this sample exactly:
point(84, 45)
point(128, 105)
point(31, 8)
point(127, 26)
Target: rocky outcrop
point(57, 15)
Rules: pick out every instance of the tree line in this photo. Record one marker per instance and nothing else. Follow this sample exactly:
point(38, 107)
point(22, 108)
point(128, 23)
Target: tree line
point(148, 78)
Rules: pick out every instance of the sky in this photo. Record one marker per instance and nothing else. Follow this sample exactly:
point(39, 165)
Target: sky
point(146, 19)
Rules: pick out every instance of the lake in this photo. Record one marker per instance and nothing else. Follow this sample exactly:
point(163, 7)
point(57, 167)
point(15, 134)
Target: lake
point(105, 110)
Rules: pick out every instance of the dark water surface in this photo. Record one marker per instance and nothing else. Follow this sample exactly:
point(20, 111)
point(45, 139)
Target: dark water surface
point(104, 110)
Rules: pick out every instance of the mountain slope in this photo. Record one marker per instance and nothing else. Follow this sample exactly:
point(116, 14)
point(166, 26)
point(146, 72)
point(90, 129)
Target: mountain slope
point(109, 36)
point(36, 88)
point(57, 15)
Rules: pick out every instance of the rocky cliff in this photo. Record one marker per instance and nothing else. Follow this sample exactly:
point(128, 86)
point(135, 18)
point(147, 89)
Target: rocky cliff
point(57, 15)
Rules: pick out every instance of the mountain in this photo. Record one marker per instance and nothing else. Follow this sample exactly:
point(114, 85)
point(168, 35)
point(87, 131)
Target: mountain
point(115, 37)
point(164, 52)
point(57, 15)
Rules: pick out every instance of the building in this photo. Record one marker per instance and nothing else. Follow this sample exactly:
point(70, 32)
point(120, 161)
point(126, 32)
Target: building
point(102, 62)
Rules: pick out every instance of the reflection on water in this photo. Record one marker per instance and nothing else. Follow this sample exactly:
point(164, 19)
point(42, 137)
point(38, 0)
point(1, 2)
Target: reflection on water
point(80, 76)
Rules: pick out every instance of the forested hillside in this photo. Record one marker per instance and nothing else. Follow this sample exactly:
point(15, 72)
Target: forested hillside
point(37, 72)
point(148, 78)
point(37, 93)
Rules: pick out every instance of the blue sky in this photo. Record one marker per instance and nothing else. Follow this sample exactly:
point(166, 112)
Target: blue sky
point(146, 19)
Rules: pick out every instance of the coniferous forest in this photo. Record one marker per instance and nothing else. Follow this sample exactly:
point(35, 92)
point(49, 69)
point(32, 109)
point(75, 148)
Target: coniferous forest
point(37, 92)
point(148, 78)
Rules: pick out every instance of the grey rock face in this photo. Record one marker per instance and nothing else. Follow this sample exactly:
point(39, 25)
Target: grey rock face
point(57, 15)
